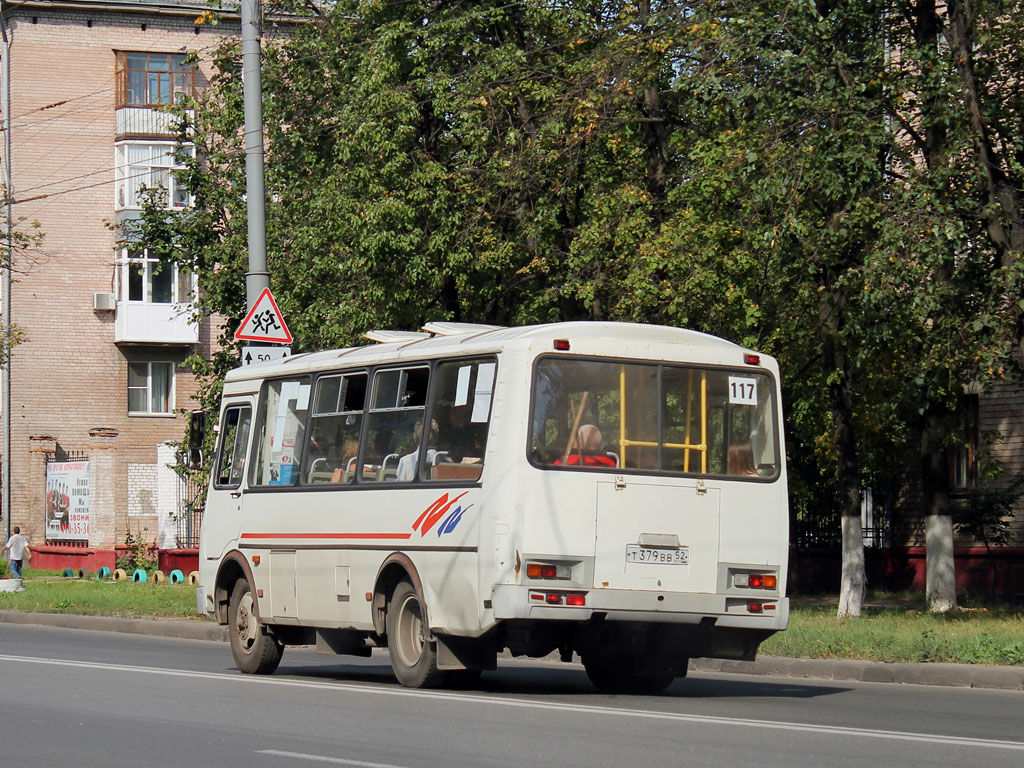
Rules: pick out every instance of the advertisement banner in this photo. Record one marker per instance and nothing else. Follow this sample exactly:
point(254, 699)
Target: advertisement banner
point(67, 500)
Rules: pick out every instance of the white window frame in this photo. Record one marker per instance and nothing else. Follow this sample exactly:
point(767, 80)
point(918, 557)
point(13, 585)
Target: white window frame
point(127, 257)
point(148, 388)
point(135, 168)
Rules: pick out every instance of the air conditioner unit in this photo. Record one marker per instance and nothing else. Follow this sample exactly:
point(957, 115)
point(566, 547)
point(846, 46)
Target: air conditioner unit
point(103, 302)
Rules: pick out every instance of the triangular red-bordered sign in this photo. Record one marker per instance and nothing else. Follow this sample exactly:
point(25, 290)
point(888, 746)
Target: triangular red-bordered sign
point(264, 322)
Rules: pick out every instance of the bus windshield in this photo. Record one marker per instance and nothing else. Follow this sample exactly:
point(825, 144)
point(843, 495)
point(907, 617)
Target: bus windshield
point(608, 415)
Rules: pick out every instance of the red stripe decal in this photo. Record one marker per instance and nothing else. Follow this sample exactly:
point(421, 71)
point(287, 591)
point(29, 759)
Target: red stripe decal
point(326, 535)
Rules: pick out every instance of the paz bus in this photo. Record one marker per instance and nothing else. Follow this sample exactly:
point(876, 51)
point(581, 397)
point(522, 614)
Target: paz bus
point(614, 492)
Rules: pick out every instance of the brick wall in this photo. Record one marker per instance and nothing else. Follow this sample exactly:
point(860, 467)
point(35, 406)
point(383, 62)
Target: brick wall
point(69, 379)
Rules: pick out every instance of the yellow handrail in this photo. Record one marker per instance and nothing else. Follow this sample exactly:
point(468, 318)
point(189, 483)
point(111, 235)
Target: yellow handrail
point(687, 446)
point(622, 416)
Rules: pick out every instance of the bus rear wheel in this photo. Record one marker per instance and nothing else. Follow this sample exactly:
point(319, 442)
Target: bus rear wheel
point(413, 653)
point(256, 652)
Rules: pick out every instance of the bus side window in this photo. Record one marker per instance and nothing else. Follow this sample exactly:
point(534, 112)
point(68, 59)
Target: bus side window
point(280, 430)
point(398, 402)
point(334, 427)
point(234, 437)
point(461, 411)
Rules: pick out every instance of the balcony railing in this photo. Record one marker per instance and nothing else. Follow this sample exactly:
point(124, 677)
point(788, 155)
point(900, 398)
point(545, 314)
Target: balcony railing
point(145, 121)
point(139, 322)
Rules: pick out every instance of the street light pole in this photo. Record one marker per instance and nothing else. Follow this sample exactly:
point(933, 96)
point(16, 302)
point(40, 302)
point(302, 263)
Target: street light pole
point(257, 278)
point(6, 279)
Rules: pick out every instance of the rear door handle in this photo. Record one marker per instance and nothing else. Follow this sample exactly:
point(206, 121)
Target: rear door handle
point(236, 494)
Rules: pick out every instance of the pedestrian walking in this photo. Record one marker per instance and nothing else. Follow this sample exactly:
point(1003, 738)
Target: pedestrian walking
point(18, 547)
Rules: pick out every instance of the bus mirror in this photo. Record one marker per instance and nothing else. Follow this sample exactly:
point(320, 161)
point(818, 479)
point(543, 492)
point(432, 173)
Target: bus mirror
point(196, 430)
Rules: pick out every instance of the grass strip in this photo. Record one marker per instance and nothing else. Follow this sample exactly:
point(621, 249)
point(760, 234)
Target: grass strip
point(900, 634)
point(102, 598)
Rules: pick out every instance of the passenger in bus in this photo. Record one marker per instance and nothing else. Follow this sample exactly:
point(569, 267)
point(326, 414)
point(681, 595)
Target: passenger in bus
point(407, 464)
point(741, 460)
point(345, 472)
point(463, 441)
point(587, 449)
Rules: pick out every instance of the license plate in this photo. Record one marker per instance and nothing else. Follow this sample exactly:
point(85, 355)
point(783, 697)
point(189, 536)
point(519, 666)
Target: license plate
point(638, 554)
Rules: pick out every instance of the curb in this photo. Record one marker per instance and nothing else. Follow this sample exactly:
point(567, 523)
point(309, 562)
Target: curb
point(198, 629)
point(849, 670)
point(856, 670)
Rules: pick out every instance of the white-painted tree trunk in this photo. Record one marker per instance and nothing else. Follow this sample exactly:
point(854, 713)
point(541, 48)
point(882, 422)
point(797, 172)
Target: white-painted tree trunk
point(941, 572)
point(854, 582)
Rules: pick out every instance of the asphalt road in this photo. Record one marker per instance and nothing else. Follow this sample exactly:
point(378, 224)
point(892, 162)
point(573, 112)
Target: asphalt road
point(99, 699)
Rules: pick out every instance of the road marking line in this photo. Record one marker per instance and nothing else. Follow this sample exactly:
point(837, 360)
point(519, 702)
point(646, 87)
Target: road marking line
point(646, 714)
point(323, 759)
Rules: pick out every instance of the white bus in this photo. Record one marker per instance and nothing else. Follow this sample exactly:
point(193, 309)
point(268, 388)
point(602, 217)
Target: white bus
point(610, 490)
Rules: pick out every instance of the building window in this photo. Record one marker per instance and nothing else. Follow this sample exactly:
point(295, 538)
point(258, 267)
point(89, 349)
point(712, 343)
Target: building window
point(965, 450)
point(150, 387)
point(148, 280)
point(153, 79)
point(155, 166)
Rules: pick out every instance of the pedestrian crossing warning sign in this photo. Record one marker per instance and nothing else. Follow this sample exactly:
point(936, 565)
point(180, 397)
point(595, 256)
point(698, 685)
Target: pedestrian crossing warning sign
point(264, 322)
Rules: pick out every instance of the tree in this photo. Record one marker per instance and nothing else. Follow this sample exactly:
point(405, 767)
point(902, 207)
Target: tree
point(807, 179)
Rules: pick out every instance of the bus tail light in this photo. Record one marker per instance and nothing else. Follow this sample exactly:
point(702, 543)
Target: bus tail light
point(575, 599)
point(755, 607)
point(755, 580)
point(752, 359)
point(547, 571)
point(562, 345)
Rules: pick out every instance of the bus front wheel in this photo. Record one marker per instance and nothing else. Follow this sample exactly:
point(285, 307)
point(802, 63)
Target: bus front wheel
point(413, 653)
point(254, 649)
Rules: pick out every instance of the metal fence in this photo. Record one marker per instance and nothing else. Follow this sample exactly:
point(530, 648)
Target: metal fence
point(191, 498)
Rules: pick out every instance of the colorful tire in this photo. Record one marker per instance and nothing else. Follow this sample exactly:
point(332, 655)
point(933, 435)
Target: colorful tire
point(140, 575)
point(177, 577)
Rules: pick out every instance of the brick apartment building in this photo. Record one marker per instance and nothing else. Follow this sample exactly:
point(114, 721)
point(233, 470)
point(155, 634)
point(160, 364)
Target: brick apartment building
point(98, 386)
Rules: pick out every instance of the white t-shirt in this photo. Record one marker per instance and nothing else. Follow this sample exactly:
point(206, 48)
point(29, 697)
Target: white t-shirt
point(17, 544)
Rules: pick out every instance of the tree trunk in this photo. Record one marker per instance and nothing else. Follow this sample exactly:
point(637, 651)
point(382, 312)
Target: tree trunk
point(1005, 211)
point(853, 581)
point(941, 574)
point(656, 135)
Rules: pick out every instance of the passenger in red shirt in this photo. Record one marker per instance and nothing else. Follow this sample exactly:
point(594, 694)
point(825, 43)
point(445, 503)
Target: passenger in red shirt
point(586, 449)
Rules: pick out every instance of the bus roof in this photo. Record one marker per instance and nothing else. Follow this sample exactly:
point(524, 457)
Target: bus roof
point(451, 339)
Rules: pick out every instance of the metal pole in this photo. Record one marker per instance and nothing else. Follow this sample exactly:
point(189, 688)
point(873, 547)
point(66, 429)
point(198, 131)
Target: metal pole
point(6, 277)
point(257, 278)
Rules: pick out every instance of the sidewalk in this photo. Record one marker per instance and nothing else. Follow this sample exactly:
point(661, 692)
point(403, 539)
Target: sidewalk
point(850, 670)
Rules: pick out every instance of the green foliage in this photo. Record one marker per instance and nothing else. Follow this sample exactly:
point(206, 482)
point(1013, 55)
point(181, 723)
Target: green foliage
point(138, 554)
point(986, 514)
point(771, 173)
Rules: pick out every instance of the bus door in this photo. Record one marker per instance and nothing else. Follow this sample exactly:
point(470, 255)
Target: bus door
point(657, 536)
point(222, 518)
point(648, 433)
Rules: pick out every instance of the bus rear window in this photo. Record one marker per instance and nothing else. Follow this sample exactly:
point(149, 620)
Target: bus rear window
point(607, 415)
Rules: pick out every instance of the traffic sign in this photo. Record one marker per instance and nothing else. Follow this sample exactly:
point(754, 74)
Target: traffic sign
point(257, 355)
point(264, 322)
